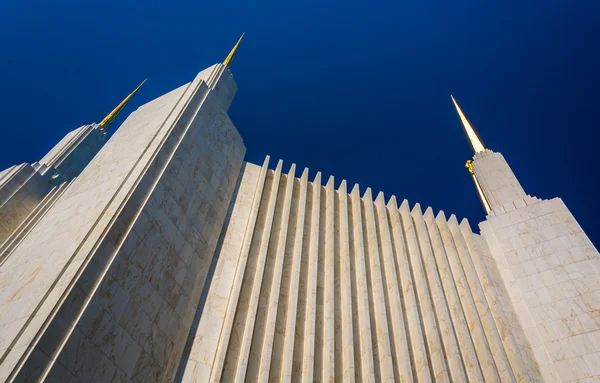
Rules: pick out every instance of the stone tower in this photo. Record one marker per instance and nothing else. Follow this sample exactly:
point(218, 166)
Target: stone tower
point(549, 268)
point(28, 190)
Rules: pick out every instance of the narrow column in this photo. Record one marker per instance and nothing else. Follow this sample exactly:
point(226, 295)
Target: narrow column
point(346, 289)
point(329, 287)
point(446, 329)
point(439, 368)
point(469, 357)
point(413, 319)
point(484, 353)
point(308, 358)
point(217, 368)
point(290, 326)
point(271, 317)
point(384, 350)
point(490, 330)
point(510, 344)
point(366, 344)
point(395, 307)
point(244, 352)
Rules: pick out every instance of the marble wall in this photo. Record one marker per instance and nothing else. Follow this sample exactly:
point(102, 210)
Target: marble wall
point(551, 271)
point(72, 163)
point(21, 190)
point(24, 187)
point(313, 283)
point(497, 180)
point(75, 151)
point(126, 248)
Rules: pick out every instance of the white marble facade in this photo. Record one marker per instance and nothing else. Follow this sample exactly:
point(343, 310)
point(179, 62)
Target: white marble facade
point(169, 258)
point(316, 283)
point(22, 188)
point(549, 272)
point(26, 190)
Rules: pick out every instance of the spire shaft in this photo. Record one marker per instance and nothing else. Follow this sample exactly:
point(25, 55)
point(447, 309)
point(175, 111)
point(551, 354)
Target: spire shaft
point(229, 58)
point(474, 139)
point(486, 205)
point(115, 112)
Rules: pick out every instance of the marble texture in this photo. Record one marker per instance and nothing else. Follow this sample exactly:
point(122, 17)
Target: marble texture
point(380, 292)
point(74, 152)
point(542, 274)
point(22, 188)
point(497, 180)
point(550, 270)
point(138, 231)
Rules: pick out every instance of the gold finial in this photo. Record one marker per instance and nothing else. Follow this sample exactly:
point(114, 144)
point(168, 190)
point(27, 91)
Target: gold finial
point(473, 138)
point(104, 124)
point(229, 58)
point(469, 166)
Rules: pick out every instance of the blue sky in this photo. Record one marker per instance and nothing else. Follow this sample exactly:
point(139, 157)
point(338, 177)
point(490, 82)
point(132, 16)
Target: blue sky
point(356, 89)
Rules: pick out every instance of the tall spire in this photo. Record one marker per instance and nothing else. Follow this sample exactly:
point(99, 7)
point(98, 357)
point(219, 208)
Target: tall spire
point(115, 112)
point(473, 137)
point(229, 58)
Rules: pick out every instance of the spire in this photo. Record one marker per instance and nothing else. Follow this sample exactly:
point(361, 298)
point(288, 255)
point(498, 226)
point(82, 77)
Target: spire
point(104, 124)
point(471, 134)
point(229, 58)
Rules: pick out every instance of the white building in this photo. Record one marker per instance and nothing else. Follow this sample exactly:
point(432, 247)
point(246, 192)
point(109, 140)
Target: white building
point(169, 258)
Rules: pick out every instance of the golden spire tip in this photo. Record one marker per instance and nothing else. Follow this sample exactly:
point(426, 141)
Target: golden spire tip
point(474, 139)
point(104, 124)
point(229, 58)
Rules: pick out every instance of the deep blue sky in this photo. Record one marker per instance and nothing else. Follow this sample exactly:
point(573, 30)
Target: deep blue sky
point(357, 89)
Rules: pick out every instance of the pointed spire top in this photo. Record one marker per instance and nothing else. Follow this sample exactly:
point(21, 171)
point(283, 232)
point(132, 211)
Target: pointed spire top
point(473, 137)
point(229, 58)
point(112, 115)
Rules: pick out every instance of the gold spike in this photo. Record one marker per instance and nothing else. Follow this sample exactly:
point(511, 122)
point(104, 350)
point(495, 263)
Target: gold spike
point(486, 205)
point(473, 138)
point(229, 58)
point(104, 124)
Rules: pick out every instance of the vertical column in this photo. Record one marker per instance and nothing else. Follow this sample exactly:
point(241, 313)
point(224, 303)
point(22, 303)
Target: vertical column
point(417, 340)
point(484, 353)
point(395, 307)
point(329, 287)
point(510, 345)
point(382, 331)
point(458, 318)
point(436, 354)
point(366, 344)
point(346, 288)
point(270, 319)
point(446, 329)
point(483, 309)
point(217, 368)
point(244, 353)
point(290, 326)
point(308, 357)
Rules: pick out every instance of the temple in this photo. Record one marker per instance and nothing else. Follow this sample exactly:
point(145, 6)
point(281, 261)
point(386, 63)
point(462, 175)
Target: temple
point(160, 255)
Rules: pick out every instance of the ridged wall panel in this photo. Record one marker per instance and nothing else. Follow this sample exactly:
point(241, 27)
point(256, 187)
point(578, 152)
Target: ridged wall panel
point(335, 286)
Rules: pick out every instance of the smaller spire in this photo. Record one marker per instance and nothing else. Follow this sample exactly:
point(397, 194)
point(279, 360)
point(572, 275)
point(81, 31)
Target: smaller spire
point(471, 134)
point(104, 124)
point(229, 58)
